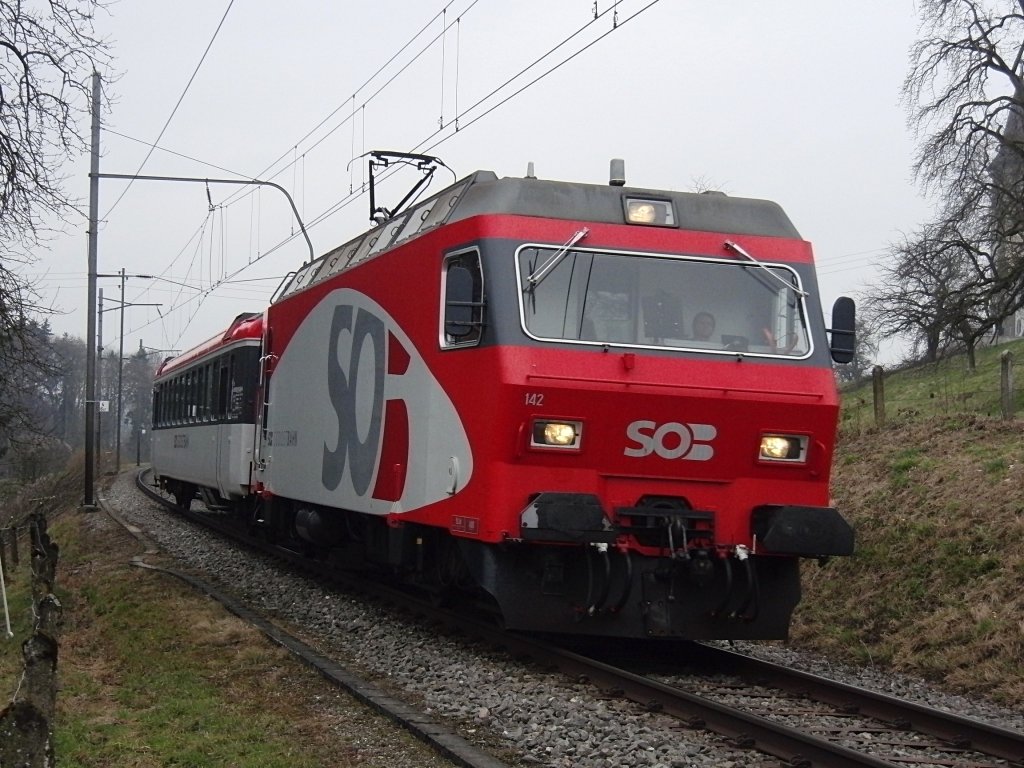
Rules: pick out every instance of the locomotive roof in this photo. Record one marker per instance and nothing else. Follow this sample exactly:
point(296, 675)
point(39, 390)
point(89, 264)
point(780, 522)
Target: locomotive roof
point(710, 211)
point(484, 193)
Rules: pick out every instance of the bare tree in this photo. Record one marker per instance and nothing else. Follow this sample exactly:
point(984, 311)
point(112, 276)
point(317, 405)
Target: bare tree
point(965, 94)
point(28, 362)
point(48, 51)
point(922, 292)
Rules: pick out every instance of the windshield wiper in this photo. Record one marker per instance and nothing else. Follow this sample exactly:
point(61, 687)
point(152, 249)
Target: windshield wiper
point(536, 277)
point(739, 249)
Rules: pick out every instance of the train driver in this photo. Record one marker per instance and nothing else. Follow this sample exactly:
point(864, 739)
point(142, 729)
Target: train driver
point(703, 326)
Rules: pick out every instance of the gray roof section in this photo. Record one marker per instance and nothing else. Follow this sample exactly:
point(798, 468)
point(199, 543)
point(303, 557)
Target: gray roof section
point(709, 212)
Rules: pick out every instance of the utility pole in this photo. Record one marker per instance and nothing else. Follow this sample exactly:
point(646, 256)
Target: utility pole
point(139, 431)
point(99, 387)
point(120, 353)
point(120, 378)
point(90, 357)
point(121, 349)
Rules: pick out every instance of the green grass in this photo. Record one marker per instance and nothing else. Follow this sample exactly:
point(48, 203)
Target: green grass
point(904, 464)
point(945, 388)
point(164, 694)
point(152, 673)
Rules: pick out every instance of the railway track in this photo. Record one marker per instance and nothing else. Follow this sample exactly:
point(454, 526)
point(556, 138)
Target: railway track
point(799, 718)
point(840, 726)
point(960, 734)
point(806, 719)
point(444, 740)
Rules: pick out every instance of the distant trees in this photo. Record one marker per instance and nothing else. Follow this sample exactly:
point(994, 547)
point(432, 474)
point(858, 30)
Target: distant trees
point(26, 426)
point(138, 402)
point(67, 396)
point(42, 403)
point(965, 96)
point(14, 407)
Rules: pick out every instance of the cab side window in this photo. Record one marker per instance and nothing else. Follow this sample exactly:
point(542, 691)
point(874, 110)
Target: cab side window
point(462, 300)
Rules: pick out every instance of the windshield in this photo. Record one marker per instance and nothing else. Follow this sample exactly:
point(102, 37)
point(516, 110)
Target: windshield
point(656, 301)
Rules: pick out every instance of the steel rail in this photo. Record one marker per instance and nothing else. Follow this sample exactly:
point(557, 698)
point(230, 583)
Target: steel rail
point(957, 730)
point(745, 729)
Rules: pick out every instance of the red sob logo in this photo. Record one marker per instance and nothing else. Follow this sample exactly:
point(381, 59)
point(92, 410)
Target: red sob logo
point(671, 440)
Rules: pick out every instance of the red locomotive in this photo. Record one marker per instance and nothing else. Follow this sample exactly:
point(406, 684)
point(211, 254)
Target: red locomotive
point(610, 409)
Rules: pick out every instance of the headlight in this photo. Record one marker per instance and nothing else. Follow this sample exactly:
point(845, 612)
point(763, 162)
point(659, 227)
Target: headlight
point(556, 434)
point(647, 211)
point(640, 212)
point(792, 448)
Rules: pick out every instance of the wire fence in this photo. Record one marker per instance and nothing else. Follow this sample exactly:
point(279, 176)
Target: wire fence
point(933, 391)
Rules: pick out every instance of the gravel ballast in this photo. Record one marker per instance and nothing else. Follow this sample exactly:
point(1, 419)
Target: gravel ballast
point(528, 716)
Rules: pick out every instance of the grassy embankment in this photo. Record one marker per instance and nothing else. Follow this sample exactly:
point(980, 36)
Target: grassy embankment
point(154, 674)
point(936, 496)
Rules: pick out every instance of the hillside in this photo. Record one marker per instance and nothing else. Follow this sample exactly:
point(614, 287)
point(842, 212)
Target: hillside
point(936, 496)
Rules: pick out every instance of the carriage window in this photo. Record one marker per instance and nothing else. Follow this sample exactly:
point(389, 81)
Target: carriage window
point(237, 401)
point(656, 301)
point(462, 298)
point(210, 390)
point(193, 395)
point(223, 386)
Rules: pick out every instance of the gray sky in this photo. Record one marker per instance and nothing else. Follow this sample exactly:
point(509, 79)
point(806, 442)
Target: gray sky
point(795, 101)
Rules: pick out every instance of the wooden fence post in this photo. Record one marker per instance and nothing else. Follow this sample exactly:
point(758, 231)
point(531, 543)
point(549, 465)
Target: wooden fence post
point(26, 724)
point(1006, 383)
point(5, 558)
point(878, 388)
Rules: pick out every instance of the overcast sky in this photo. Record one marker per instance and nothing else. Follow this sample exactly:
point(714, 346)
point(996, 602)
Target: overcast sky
point(796, 101)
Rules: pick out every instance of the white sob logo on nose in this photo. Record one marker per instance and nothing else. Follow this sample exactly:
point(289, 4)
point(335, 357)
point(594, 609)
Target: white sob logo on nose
point(671, 440)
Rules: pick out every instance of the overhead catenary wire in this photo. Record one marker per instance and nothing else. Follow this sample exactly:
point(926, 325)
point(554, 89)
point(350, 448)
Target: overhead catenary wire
point(345, 201)
point(453, 126)
point(352, 99)
point(444, 28)
point(458, 54)
point(173, 111)
point(165, 150)
point(369, 80)
point(244, 192)
point(540, 77)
